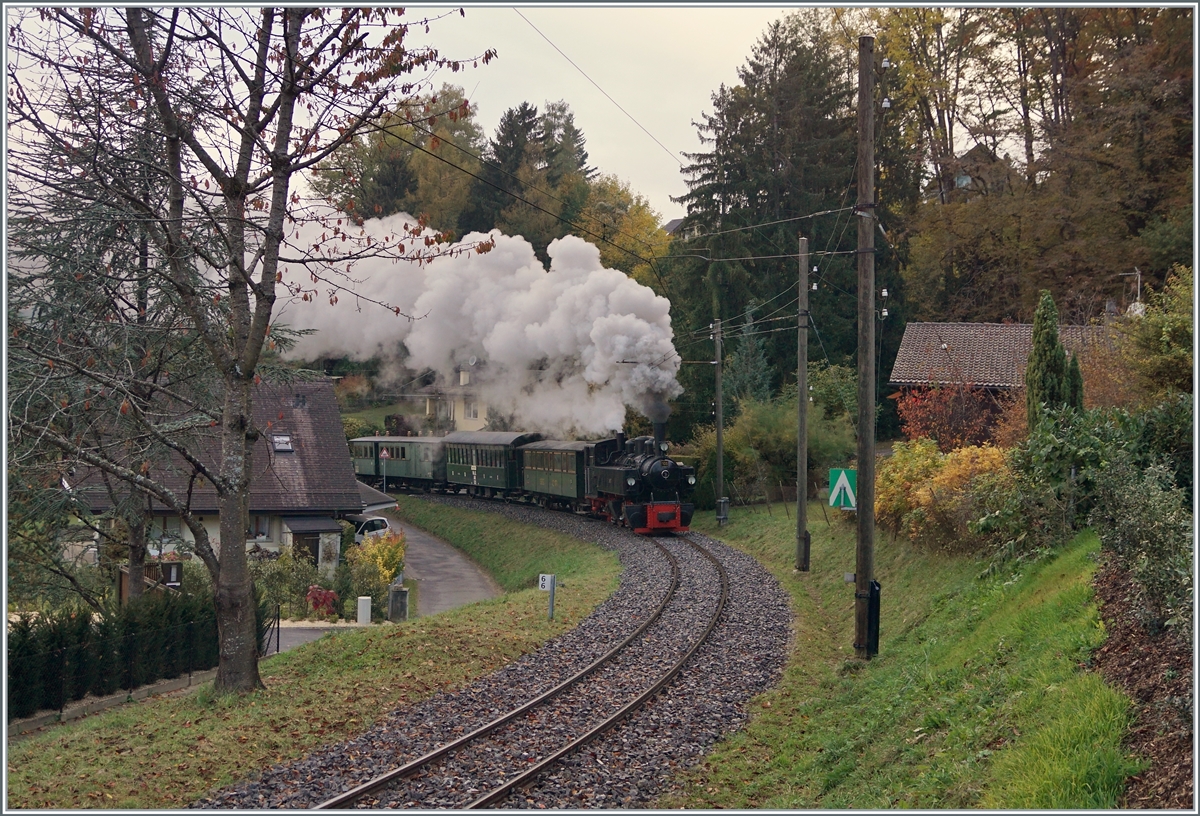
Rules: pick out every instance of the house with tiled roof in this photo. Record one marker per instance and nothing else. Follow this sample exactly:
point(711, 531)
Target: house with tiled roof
point(987, 355)
point(302, 481)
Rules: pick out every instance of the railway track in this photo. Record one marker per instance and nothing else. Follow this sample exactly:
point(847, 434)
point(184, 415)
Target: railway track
point(622, 767)
point(517, 758)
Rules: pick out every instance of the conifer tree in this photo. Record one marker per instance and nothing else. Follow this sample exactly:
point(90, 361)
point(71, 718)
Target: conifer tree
point(1074, 384)
point(1046, 370)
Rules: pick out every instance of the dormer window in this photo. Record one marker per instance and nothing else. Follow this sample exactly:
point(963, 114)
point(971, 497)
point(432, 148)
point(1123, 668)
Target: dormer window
point(464, 377)
point(282, 443)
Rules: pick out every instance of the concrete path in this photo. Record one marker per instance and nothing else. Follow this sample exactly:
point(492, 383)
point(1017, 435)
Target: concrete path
point(445, 577)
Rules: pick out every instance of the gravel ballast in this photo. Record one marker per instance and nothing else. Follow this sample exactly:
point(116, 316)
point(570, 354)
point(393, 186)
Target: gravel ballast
point(628, 766)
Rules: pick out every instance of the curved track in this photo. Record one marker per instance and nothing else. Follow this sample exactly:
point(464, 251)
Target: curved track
point(510, 765)
point(627, 766)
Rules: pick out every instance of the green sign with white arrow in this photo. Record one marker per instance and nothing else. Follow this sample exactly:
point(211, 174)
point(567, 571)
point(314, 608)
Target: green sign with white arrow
point(843, 485)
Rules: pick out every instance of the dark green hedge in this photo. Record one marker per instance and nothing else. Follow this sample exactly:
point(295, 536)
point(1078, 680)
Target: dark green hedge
point(59, 658)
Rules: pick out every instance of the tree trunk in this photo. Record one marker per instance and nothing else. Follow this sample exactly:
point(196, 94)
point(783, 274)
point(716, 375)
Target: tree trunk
point(137, 555)
point(238, 667)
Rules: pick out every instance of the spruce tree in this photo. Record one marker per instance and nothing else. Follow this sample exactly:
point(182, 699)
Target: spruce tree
point(1046, 370)
point(1074, 384)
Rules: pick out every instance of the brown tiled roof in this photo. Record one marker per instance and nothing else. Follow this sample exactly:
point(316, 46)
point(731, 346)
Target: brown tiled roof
point(317, 476)
point(983, 354)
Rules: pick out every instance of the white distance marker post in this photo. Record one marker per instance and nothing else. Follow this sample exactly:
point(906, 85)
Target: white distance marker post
point(546, 583)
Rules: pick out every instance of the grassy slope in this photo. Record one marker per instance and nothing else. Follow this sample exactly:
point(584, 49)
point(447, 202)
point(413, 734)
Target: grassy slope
point(375, 416)
point(167, 752)
point(978, 697)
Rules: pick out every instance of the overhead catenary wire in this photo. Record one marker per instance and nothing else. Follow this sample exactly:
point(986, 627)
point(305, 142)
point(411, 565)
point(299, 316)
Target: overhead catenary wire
point(538, 207)
point(769, 223)
point(648, 261)
point(589, 79)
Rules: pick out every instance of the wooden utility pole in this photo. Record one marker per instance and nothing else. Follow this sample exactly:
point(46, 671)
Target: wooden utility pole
point(720, 485)
point(864, 573)
point(803, 541)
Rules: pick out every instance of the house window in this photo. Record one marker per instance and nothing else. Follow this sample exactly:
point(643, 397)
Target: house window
point(470, 409)
point(166, 527)
point(260, 528)
point(282, 443)
point(464, 378)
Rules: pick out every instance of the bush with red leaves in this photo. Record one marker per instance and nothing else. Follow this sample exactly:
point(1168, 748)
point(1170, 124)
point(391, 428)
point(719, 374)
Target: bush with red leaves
point(955, 416)
point(321, 600)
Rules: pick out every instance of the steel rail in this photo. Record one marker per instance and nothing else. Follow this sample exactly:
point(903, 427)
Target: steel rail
point(528, 776)
point(411, 768)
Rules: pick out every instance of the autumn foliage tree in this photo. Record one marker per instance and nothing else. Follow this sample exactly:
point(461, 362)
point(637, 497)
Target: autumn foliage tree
point(954, 416)
point(188, 127)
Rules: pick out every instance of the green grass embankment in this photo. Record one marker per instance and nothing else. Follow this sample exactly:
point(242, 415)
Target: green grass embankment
point(978, 696)
point(513, 554)
point(168, 752)
point(375, 416)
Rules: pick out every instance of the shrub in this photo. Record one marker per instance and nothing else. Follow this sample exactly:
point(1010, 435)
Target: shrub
point(284, 581)
point(386, 552)
point(948, 504)
point(1165, 434)
point(1018, 515)
point(931, 496)
point(1142, 517)
point(1067, 448)
point(323, 601)
point(899, 478)
point(953, 415)
point(760, 448)
point(54, 659)
point(373, 565)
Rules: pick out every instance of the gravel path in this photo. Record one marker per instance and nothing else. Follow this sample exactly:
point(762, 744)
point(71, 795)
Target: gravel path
point(630, 765)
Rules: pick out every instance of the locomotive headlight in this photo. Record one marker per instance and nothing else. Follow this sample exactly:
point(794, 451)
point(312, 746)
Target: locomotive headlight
point(629, 480)
point(662, 446)
point(691, 480)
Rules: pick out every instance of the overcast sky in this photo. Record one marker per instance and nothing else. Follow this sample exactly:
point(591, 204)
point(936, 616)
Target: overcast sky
point(661, 65)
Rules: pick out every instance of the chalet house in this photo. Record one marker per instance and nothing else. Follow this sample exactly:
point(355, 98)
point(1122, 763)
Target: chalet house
point(302, 483)
point(457, 407)
point(977, 172)
point(986, 355)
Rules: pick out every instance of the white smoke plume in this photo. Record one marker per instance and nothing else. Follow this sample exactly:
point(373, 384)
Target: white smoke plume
point(562, 350)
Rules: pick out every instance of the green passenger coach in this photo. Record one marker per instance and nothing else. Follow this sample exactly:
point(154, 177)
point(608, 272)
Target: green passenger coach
point(485, 462)
point(555, 468)
point(399, 461)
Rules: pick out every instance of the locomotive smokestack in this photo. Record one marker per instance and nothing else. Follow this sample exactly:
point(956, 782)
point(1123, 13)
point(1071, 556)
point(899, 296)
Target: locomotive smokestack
point(660, 436)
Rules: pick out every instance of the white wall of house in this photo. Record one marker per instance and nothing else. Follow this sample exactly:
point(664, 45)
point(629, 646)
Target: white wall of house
point(470, 414)
point(272, 535)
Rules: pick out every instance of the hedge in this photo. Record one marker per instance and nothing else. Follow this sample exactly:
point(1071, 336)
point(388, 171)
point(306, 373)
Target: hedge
point(61, 657)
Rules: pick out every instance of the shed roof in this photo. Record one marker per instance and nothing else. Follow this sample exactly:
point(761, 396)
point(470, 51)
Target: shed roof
point(993, 355)
point(312, 524)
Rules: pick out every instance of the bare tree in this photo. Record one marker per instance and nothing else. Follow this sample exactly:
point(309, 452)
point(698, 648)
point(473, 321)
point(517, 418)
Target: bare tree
point(156, 214)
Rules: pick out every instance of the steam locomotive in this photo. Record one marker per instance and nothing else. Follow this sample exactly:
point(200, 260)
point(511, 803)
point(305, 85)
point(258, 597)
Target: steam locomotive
point(630, 482)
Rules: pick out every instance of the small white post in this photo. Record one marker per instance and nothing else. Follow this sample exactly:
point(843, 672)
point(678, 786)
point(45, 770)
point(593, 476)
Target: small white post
point(546, 583)
point(364, 610)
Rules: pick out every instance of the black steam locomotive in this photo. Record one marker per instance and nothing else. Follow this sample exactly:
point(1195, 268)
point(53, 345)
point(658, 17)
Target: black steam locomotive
point(631, 482)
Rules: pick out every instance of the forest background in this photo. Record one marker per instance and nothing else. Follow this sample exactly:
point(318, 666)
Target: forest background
point(1018, 150)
